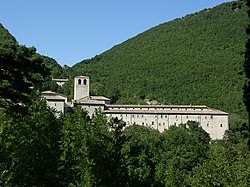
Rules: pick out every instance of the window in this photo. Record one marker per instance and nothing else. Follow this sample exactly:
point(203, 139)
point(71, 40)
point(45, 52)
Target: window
point(159, 124)
point(207, 125)
point(187, 117)
point(211, 117)
point(79, 81)
point(221, 125)
point(163, 124)
point(55, 104)
point(142, 123)
point(152, 123)
point(84, 81)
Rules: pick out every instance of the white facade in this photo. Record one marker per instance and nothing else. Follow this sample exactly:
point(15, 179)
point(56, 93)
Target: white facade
point(81, 87)
point(160, 117)
point(55, 101)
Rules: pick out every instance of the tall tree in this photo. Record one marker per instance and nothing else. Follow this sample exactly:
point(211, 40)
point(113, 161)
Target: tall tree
point(227, 165)
point(20, 71)
point(75, 163)
point(182, 149)
point(29, 146)
point(246, 89)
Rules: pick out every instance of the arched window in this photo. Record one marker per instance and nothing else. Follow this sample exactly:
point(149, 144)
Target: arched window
point(79, 81)
point(84, 81)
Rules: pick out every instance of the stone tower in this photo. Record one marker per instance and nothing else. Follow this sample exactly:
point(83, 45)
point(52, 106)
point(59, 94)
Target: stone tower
point(81, 87)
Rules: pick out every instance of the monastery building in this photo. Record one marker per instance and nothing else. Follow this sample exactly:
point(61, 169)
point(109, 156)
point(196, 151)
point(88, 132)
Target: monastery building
point(160, 117)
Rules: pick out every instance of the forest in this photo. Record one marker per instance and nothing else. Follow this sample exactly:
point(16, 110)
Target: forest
point(196, 60)
point(39, 149)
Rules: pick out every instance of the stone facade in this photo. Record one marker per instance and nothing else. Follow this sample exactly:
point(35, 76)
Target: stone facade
point(81, 87)
point(159, 117)
point(56, 101)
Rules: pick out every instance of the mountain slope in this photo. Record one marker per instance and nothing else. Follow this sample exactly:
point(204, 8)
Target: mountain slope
point(5, 36)
point(192, 60)
point(196, 59)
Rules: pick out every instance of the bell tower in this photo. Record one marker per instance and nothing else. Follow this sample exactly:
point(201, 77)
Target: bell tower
point(81, 87)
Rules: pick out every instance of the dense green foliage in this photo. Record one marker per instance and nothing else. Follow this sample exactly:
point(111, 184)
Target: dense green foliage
point(21, 72)
point(5, 35)
point(196, 59)
point(39, 149)
point(27, 58)
point(246, 92)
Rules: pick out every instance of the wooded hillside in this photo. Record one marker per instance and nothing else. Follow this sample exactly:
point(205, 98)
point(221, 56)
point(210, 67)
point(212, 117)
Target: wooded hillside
point(196, 59)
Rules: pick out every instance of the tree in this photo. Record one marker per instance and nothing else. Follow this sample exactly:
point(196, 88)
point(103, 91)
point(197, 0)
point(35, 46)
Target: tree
point(75, 164)
point(246, 89)
point(140, 152)
point(29, 146)
point(182, 149)
point(21, 69)
point(106, 141)
point(227, 165)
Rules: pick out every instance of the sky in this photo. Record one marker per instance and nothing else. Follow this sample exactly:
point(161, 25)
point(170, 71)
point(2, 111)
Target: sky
point(76, 30)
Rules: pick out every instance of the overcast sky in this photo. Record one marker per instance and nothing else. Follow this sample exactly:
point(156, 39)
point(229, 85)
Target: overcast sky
point(71, 31)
